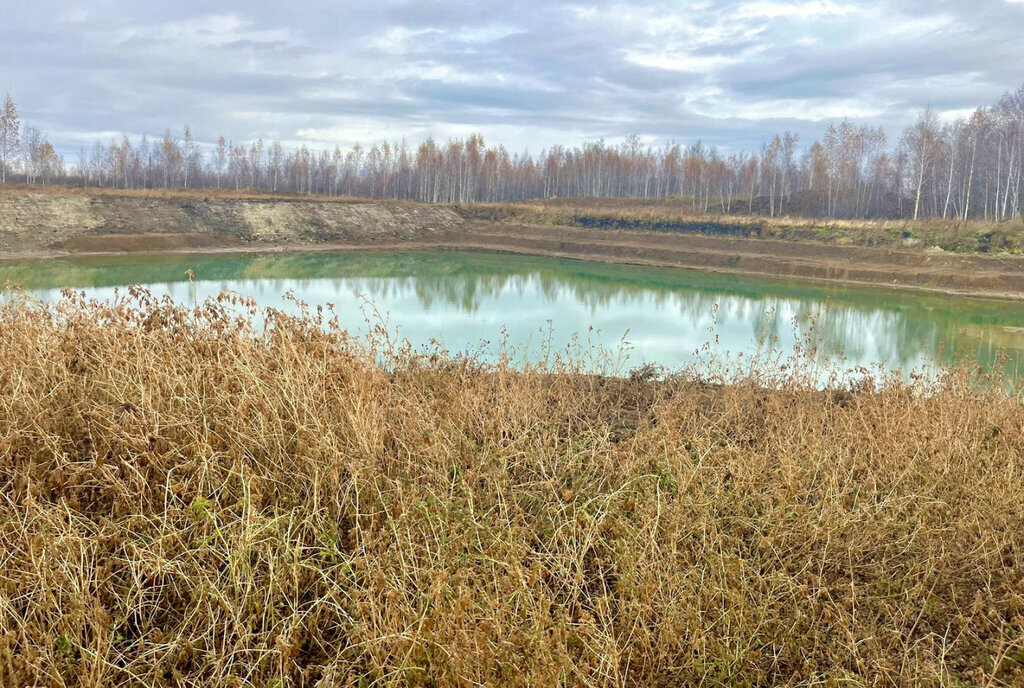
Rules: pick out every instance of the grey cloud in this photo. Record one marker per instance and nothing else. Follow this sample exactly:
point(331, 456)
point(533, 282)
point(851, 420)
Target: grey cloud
point(521, 72)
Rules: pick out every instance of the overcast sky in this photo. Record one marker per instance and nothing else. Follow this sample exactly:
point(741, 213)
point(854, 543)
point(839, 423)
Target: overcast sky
point(524, 73)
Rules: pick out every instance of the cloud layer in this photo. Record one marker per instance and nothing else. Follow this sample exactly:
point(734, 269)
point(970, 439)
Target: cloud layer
point(526, 73)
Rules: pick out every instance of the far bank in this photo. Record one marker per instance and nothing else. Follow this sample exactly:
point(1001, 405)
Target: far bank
point(59, 222)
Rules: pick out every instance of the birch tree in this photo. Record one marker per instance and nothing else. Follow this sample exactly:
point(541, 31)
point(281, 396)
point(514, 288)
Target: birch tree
point(920, 142)
point(32, 143)
point(10, 140)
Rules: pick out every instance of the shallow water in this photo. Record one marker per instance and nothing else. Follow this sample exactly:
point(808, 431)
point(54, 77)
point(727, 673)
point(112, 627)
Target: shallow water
point(471, 302)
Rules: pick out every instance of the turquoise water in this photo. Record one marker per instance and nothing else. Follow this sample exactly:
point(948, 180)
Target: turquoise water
point(472, 302)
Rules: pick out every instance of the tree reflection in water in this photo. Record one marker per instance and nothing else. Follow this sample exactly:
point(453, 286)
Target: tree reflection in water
point(465, 298)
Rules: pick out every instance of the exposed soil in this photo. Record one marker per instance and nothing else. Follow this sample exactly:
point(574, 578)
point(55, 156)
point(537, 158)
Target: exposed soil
point(31, 222)
point(990, 276)
point(132, 243)
point(45, 225)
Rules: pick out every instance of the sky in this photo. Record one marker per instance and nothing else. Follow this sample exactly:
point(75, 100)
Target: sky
point(525, 73)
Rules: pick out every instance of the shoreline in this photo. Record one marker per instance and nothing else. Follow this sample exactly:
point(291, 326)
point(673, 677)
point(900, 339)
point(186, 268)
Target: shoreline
point(60, 225)
point(455, 246)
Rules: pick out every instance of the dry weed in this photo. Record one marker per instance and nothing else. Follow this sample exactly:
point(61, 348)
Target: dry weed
point(188, 499)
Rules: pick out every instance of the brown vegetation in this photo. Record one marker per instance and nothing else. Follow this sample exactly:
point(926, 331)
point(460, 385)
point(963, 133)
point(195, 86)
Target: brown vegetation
point(187, 499)
point(969, 274)
point(676, 214)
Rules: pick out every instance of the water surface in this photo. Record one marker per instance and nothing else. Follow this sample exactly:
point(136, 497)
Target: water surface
point(471, 301)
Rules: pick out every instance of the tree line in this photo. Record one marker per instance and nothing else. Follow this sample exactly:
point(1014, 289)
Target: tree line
point(966, 168)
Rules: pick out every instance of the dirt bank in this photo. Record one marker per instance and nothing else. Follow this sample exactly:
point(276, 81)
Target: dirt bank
point(39, 225)
point(33, 222)
point(989, 276)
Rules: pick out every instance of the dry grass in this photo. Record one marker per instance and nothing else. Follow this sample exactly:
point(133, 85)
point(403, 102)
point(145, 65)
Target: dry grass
point(679, 208)
point(677, 214)
point(186, 500)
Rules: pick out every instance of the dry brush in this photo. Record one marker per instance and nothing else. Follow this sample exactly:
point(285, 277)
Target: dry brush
point(191, 497)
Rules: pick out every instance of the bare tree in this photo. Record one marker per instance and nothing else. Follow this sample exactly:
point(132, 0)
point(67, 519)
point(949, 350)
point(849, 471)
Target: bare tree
point(255, 163)
point(190, 156)
point(220, 158)
point(966, 170)
point(920, 141)
point(10, 140)
point(274, 161)
point(32, 143)
point(170, 158)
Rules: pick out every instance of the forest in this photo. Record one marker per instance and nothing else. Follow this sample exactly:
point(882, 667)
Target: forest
point(969, 167)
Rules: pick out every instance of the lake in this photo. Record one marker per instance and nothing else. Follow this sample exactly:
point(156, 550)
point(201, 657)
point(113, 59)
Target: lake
point(472, 301)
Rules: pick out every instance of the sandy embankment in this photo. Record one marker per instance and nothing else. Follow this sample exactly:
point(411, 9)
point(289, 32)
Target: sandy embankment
point(36, 225)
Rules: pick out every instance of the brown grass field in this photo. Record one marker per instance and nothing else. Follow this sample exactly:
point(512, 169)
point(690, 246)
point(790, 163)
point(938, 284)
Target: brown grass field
point(187, 499)
point(677, 214)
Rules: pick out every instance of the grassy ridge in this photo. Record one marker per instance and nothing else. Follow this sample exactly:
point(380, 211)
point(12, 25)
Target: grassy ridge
point(677, 214)
point(185, 500)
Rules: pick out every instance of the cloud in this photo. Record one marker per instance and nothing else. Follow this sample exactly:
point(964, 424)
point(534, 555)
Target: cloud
point(679, 60)
point(211, 30)
point(528, 73)
point(766, 9)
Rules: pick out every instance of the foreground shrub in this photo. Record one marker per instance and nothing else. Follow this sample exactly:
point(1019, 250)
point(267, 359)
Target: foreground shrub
point(189, 499)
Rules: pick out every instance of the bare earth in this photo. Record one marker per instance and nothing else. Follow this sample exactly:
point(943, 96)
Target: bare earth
point(51, 225)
